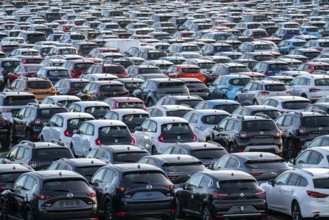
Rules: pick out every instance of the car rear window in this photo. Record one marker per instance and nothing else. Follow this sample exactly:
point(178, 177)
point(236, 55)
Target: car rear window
point(111, 88)
point(177, 113)
point(275, 87)
point(75, 123)
point(78, 85)
point(321, 82)
point(18, 100)
point(113, 134)
point(279, 66)
point(295, 104)
point(208, 153)
point(324, 44)
point(190, 70)
point(183, 167)
point(87, 171)
point(171, 84)
point(58, 73)
point(322, 183)
point(39, 84)
point(263, 47)
point(67, 51)
point(77, 37)
point(51, 154)
point(258, 125)
point(298, 44)
point(236, 185)
point(191, 103)
point(128, 157)
point(325, 68)
point(149, 70)
point(266, 164)
point(114, 70)
point(82, 65)
point(131, 105)
point(212, 119)
point(271, 113)
point(239, 81)
point(10, 64)
point(63, 186)
point(228, 108)
point(148, 177)
point(238, 69)
point(315, 121)
point(173, 132)
point(311, 54)
point(46, 113)
point(292, 31)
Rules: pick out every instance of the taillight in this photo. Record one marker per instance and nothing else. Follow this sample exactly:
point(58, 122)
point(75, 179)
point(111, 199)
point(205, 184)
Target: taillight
point(313, 90)
point(268, 72)
point(301, 130)
point(319, 49)
point(121, 189)
point(161, 139)
point(170, 187)
point(71, 91)
point(195, 137)
point(316, 194)
point(216, 195)
point(3, 188)
point(172, 177)
point(264, 93)
point(261, 194)
point(243, 134)
point(42, 197)
point(132, 140)
point(98, 141)
point(67, 133)
point(256, 174)
point(5, 110)
point(37, 121)
point(91, 195)
point(289, 93)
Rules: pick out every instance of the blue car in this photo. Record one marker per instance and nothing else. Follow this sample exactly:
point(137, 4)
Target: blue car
point(226, 87)
point(310, 30)
point(286, 46)
point(212, 49)
point(53, 73)
point(271, 67)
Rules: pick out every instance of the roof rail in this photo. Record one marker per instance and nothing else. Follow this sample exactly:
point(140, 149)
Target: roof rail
point(30, 143)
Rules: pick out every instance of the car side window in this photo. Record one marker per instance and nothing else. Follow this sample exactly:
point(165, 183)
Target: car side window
point(279, 121)
point(194, 181)
point(229, 125)
point(293, 180)
point(302, 158)
point(315, 143)
point(302, 182)
point(90, 130)
point(205, 182)
point(98, 177)
point(20, 183)
point(152, 127)
point(145, 125)
point(108, 177)
point(83, 128)
point(223, 124)
point(282, 179)
point(314, 158)
point(194, 118)
point(30, 183)
point(287, 120)
point(20, 153)
point(115, 116)
point(232, 163)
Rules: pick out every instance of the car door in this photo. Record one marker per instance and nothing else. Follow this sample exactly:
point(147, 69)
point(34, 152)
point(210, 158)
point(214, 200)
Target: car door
point(274, 196)
point(188, 192)
point(139, 134)
point(15, 197)
point(77, 139)
point(97, 183)
point(226, 133)
point(288, 191)
point(46, 132)
point(243, 95)
point(19, 122)
point(57, 129)
point(296, 86)
point(200, 194)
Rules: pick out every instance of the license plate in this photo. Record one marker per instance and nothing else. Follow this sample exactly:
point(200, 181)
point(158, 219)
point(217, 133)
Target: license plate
point(69, 203)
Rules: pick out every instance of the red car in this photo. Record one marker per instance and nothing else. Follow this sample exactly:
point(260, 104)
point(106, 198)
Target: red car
point(312, 67)
point(27, 70)
point(77, 67)
point(186, 71)
point(125, 102)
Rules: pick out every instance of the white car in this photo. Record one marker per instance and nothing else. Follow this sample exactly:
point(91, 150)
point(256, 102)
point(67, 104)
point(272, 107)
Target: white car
point(300, 193)
point(61, 126)
point(60, 100)
point(315, 157)
point(203, 121)
point(313, 86)
point(94, 133)
point(168, 110)
point(157, 133)
point(96, 108)
point(287, 103)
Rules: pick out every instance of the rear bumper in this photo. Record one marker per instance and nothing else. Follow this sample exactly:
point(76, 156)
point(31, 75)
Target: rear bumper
point(68, 214)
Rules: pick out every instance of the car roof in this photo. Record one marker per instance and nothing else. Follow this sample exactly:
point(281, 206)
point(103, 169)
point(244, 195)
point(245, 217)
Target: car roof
point(106, 122)
point(122, 148)
point(131, 167)
point(197, 145)
point(83, 162)
point(165, 120)
point(175, 158)
point(55, 174)
point(289, 98)
point(91, 103)
point(257, 156)
point(259, 107)
point(12, 168)
point(63, 97)
point(223, 175)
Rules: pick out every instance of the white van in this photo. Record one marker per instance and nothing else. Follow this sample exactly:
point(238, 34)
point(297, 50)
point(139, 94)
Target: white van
point(122, 44)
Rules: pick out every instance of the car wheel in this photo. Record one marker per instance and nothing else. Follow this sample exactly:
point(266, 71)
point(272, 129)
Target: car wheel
point(206, 215)
point(29, 215)
point(154, 151)
point(150, 102)
point(108, 212)
point(290, 148)
point(179, 209)
point(295, 211)
point(72, 150)
point(13, 138)
point(255, 102)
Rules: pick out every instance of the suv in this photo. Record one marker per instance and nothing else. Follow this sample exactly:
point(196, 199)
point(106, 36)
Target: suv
point(77, 67)
point(248, 133)
point(224, 193)
point(49, 194)
point(187, 100)
point(38, 86)
point(70, 86)
point(28, 122)
point(131, 190)
point(311, 87)
point(154, 89)
point(299, 128)
point(255, 92)
point(10, 104)
point(38, 155)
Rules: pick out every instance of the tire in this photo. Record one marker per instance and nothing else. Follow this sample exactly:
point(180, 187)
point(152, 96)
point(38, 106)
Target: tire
point(290, 149)
point(179, 209)
point(29, 215)
point(154, 151)
point(295, 211)
point(206, 214)
point(13, 138)
point(108, 212)
point(73, 151)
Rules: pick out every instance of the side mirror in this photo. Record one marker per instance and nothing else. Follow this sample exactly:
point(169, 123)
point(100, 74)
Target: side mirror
point(271, 182)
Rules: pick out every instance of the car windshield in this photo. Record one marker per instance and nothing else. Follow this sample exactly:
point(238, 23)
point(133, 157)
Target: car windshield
point(266, 164)
point(184, 167)
point(239, 81)
point(18, 100)
point(88, 171)
point(128, 157)
point(212, 119)
point(228, 108)
point(315, 121)
point(58, 73)
point(51, 154)
point(39, 84)
point(208, 153)
point(275, 87)
point(258, 125)
point(145, 177)
point(46, 113)
point(295, 104)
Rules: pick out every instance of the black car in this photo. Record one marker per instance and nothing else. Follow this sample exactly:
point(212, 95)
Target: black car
point(131, 190)
point(39, 155)
point(320, 141)
point(196, 87)
point(261, 165)
point(28, 122)
point(131, 84)
point(10, 104)
point(221, 194)
point(177, 167)
point(298, 128)
point(154, 89)
point(70, 86)
point(264, 110)
point(321, 107)
point(190, 100)
point(49, 194)
point(9, 174)
point(204, 151)
point(84, 166)
point(248, 133)
point(117, 154)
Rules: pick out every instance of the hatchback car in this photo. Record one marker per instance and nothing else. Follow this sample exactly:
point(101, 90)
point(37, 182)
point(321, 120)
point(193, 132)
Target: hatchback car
point(70, 86)
point(314, 157)
point(260, 110)
point(9, 173)
point(219, 104)
point(96, 108)
point(66, 193)
point(126, 190)
point(225, 194)
point(53, 73)
point(191, 100)
point(287, 103)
